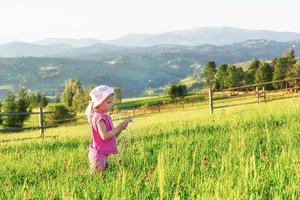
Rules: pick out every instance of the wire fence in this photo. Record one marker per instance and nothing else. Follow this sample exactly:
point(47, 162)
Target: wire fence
point(260, 92)
point(233, 97)
point(42, 126)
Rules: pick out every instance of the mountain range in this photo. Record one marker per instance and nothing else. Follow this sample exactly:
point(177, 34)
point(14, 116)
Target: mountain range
point(132, 69)
point(190, 37)
point(157, 60)
point(203, 35)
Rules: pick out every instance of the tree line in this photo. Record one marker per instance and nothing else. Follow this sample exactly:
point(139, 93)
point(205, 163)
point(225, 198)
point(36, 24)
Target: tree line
point(22, 102)
point(74, 98)
point(227, 76)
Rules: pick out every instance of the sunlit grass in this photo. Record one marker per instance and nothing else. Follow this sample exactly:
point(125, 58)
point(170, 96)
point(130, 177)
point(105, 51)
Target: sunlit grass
point(245, 152)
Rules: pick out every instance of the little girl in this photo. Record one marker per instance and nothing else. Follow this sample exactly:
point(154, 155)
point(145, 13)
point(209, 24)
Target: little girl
point(103, 132)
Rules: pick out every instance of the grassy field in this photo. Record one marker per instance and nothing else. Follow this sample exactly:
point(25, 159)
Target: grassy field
point(244, 152)
point(152, 100)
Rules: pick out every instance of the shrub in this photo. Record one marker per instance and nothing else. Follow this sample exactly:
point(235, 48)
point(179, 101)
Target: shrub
point(62, 114)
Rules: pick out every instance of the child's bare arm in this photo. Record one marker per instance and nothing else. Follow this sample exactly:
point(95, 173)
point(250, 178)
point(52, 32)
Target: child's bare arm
point(125, 124)
point(106, 135)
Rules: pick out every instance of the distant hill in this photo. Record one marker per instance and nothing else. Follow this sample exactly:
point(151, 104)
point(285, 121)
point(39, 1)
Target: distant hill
point(132, 73)
point(82, 42)
point(95, 51)
point(134, 62)
point(132, 69)
point(227, 53)
point(190, 37)
point(22, 49)
point(203, 35)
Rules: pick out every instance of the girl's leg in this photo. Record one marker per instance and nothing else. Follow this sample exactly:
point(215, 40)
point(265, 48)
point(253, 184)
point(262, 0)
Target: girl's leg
point(93, 162)
point(98, 162)
point(101, 162)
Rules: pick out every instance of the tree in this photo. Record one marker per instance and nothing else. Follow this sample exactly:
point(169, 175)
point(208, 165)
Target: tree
point(177, 91)
point(9, 105)
point(60, 113)
point(117, 95)
point(209, 74)
point(44, 102)
point(73, 94)
point(22, 105)
point(221, 75)
point(250, 73)
point(295, 71)
point(289, 55)
point(32, 100)
point(234, 77)
point(37, 100)
point(172, 91)
point(19, 104)
point(292, 63)
point(181, 92)
point(77, 102)
point(279, 73)
point(117, 98)
point(263, 73)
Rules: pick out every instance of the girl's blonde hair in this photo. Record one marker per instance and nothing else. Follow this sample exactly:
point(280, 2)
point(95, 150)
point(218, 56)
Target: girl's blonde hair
point(89, 111)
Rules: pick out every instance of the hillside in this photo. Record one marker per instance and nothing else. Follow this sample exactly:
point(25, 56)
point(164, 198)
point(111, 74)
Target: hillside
point(203, 35)
point(227, 53)
point(22, 49)
point(190, 37)
point(82, 42)
point(132, 69)
point(132, 74)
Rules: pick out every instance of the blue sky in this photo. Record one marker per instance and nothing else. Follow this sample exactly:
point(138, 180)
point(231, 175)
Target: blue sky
point(30, 20)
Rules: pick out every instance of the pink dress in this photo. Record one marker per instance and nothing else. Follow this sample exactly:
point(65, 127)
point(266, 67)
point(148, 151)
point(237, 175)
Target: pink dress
point(99, 149)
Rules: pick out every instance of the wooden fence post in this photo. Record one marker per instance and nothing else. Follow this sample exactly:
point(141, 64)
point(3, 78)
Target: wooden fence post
point(264, 92)
point(133, 112)
point(41, 122)
point(211, 105)
point(257, 93)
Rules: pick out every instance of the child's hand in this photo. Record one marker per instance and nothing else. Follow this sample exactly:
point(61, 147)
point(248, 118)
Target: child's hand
point(129, 119)
point(123, 125)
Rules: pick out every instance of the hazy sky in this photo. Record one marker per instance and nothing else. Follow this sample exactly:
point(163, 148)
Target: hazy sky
point(30, 20)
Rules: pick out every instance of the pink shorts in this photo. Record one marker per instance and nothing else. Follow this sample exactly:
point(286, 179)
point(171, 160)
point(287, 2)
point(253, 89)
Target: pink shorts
point(97, 161)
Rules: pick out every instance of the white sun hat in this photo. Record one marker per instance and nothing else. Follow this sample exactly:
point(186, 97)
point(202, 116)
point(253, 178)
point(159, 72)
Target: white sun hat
point(98, 95)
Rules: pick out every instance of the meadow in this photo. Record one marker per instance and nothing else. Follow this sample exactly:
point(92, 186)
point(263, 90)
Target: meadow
point(243, 152)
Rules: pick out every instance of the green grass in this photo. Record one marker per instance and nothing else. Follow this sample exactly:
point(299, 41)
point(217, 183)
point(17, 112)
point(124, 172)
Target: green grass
point(139, 101)
point(152, 100)
point(244, 152)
